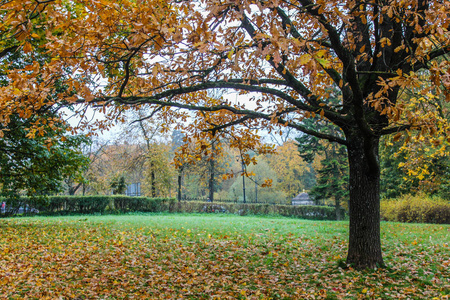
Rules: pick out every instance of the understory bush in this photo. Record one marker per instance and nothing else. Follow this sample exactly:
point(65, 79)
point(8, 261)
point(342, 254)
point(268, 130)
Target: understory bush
point(416, 209)
point(57, 205)
point(300, 211)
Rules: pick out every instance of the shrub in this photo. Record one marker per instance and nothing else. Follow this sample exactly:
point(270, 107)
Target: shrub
point(119, 203)
point(305, 212)
point(142, 204)
point(89, 204)
point(75, 204)
point(416, 209)
point(16, 205)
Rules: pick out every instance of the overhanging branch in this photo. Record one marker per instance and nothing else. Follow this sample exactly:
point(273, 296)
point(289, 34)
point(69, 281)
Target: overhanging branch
point(396, 129)
point(248, 114)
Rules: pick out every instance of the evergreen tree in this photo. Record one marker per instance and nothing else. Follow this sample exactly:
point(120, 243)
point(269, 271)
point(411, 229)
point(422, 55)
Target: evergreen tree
point(394, 180)
point(38, 166)
point(36, 154)
point(332, 179)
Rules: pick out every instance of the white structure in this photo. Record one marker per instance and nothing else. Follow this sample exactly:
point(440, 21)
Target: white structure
point(302, 199)
point(133, 189)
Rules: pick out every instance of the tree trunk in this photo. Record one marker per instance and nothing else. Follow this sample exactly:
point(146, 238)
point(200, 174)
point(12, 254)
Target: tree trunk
point(211, 174)
point(364, 250)
point(256, 191)
point(337, 197)
point(179, 184)
point(337, 203)
point(152, 178)
point(74, 189)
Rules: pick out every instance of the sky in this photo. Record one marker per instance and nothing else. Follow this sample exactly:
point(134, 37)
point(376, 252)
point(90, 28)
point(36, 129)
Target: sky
point(114, 132)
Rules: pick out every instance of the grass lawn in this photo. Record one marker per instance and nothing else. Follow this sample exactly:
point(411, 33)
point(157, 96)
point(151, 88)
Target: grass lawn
point(173, 256)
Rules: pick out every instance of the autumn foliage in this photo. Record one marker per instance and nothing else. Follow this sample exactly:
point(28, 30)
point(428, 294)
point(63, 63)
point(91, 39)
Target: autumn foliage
point(416, 209)
point(136, 53)
point(388, 60)
point(168, 257)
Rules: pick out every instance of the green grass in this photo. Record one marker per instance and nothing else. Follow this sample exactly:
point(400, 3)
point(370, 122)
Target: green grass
point(164, 256)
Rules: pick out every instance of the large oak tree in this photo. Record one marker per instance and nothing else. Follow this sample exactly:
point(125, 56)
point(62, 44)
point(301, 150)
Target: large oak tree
point(285, 53)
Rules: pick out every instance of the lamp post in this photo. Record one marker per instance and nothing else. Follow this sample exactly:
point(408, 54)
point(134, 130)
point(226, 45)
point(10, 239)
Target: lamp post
point(256, 191)
point(243, 180)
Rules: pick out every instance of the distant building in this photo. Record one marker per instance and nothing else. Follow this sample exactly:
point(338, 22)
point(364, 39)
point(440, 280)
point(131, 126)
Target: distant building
point(133, 189)
point(302, 199)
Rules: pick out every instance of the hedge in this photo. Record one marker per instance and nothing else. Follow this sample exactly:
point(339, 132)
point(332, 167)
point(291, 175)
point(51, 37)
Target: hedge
point(299, 211)
point(58, 205)
point(416, 209)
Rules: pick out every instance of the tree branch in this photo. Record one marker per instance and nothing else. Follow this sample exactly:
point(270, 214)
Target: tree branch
point(349, 67)
point(8, 50)
point(250, 114)
point(396, 129)
point(432, 55)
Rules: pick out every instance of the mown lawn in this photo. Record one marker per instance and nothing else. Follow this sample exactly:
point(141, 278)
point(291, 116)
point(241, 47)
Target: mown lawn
point(163, 256)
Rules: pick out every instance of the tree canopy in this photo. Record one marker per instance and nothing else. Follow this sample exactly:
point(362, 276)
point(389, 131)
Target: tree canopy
point(33, 166)
point(284, 54)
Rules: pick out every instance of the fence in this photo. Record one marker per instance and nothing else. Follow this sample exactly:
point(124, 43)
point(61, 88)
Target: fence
point(236, 201)
point(62, 205)
point(240, 201)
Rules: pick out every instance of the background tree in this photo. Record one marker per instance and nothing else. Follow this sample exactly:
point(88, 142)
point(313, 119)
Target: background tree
point(166, 54)
point(37, 167)
point(151, 137)
point(37, 154)
point(415, 162)
point(394, 180)
point(255, 189)
point(135, 164)
point(177, 142)
point(112, 162)
point(332, 181)
point(293, 173)
point(159, 180)
point(202, 162)
point(118, 185)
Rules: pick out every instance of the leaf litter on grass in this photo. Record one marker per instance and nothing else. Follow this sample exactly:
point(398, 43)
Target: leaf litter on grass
point(51, 258)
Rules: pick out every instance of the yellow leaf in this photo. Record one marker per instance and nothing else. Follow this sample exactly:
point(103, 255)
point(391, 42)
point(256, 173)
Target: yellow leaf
point(321, 53)
point(362, 49)
point(324, 62)
point(27, 47)
point(385, 41)
point(230, 54)
point(305, 58)
point(399, 48)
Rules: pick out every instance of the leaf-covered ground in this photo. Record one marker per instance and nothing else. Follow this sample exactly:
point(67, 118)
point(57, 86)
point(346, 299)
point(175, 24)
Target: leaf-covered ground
point(210, 256)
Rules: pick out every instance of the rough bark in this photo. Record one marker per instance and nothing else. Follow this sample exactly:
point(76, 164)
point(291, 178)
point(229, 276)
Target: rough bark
point(364, 250)
point(179, 184)
point(337, 198)
point(152, 178)
point(338, 209)
point(211, 174)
